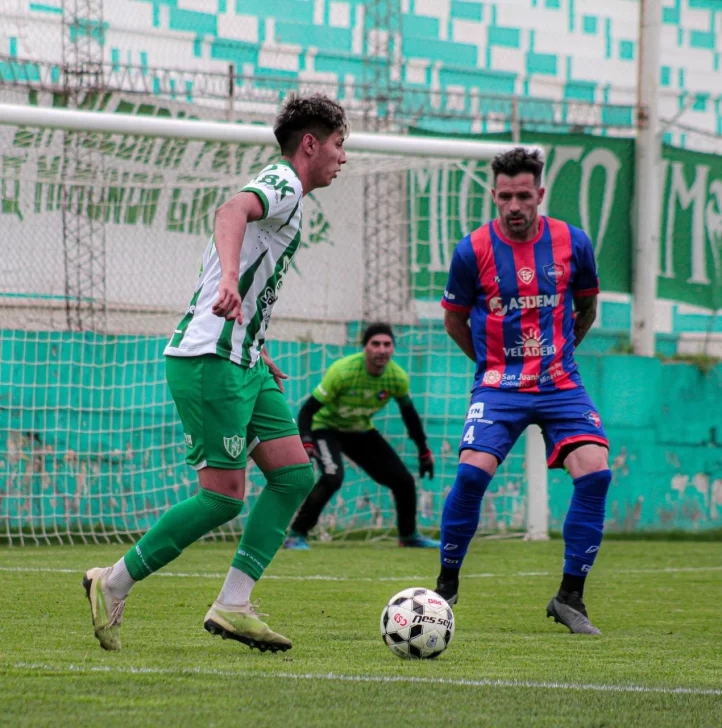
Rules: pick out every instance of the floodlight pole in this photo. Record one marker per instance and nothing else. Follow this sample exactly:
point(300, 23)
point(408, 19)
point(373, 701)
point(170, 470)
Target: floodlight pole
point(645, 264)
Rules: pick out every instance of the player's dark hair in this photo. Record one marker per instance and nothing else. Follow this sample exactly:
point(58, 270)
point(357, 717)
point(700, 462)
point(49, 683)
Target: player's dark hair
point(300, 115)
point(517, 161)
point(375, 329)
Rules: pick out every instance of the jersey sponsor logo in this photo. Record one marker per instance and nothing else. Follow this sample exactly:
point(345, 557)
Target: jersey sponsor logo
point(532, 344)
point(522, 303)
point(520, 380)
point(530, 380)
point(492, 377)
point(476, 414)
point(497, 307)
point(270, 295)
point(346, 411)
point(476, 411)
point(553, 373)
point(593, 417)
point(278, 183)
point(554, 273)
point(526, 275)
point(234, 445)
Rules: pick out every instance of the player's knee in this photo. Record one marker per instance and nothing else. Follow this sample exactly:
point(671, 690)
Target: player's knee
point(593, 485)
point(471, 480)
point(305, 480)
point(294, 479)
point(401, 482)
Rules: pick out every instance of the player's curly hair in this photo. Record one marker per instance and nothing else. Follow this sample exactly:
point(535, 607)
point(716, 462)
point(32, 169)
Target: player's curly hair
point(316, 114)
point(517, 161)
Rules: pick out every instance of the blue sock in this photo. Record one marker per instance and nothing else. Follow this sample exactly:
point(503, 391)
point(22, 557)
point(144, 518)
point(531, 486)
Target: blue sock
point(460, 518)
point(584, 523)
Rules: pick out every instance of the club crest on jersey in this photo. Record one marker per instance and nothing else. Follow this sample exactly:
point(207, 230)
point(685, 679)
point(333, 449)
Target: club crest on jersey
point(593, 417)
point(554, 273)
point(381, 396)
point(234, 445)
point(526, 275)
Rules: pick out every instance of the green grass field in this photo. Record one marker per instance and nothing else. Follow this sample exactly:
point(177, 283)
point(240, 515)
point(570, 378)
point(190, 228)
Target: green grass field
point(659, 662)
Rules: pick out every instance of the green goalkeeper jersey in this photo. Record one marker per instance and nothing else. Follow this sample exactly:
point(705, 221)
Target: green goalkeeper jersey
point(351, 396)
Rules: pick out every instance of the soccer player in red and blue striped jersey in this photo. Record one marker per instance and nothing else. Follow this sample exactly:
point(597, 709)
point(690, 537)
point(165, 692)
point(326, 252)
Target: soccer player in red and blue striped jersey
point(521, 296)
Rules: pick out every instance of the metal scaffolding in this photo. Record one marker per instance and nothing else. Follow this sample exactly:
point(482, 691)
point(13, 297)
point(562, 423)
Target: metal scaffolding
point(386, 286)
point(83, 232)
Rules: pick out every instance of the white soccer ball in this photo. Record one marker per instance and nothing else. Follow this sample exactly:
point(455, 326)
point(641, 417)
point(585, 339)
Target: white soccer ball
point(417, 624)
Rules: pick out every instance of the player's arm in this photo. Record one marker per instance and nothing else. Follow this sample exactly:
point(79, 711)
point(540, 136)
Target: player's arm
point(585, 311)
point(412, 421)
point(229, 231)
point(457, 327)
point(305, 418)
point(460, 296)
point(585, 287)
point(324, 395)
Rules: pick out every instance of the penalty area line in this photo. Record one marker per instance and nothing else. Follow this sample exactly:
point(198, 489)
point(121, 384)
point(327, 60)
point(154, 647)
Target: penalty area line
point(334, 677)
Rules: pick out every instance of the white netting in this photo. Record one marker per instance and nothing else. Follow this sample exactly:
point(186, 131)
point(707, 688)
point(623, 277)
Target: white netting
point(90, 444)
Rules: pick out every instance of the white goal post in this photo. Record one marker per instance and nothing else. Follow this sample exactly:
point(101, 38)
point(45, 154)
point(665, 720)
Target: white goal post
point(90, 448)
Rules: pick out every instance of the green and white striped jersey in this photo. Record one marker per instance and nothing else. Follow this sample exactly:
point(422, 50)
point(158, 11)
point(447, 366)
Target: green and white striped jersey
point(266, 255)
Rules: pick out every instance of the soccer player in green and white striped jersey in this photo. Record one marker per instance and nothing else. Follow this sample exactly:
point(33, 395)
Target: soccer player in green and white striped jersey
point(228, 392)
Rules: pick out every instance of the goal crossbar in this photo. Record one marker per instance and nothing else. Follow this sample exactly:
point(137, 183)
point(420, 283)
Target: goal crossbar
point(216, 131)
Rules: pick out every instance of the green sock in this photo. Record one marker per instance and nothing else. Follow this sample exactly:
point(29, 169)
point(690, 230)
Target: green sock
point(179, 527)
point(269, 518)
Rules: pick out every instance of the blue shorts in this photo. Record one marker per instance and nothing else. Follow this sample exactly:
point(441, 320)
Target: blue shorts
point(496, 419)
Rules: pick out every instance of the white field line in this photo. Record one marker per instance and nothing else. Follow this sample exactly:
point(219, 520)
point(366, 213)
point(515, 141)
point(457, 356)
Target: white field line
point(322, 577)
point(333, 677)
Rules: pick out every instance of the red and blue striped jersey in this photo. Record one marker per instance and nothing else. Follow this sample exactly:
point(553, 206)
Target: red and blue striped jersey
point(519, 297)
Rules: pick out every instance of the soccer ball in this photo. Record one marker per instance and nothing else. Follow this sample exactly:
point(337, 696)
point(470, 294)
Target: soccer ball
point(417, 624)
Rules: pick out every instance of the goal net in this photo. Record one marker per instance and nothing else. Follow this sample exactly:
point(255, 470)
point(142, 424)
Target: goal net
point(105, 217)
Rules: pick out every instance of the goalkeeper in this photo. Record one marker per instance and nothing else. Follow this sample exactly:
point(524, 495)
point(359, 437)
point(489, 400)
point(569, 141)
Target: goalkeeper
point(337, 419)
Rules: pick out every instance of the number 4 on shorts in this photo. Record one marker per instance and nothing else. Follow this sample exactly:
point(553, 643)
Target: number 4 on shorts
point(469, 436)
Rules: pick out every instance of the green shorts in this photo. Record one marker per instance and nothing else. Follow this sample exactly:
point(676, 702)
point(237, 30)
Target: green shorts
point(226, 409)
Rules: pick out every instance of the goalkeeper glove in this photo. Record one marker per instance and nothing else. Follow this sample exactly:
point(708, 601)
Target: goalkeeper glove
point(426, 464)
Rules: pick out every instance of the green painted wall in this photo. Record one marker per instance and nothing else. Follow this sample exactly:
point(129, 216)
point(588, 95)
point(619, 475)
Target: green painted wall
point(89, 438)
